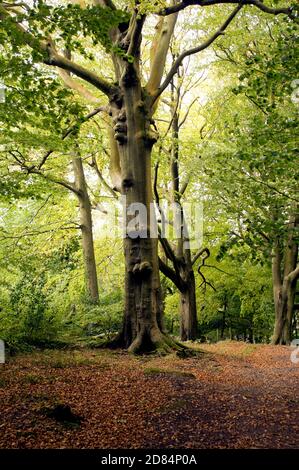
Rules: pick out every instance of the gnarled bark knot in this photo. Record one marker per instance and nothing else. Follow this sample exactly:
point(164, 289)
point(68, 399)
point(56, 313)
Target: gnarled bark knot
point(144, 268)
point(121, 128)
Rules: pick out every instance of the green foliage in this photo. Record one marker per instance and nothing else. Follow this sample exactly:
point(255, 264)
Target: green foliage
point(253, 157)
point(26, 88)
point(39, 307)
point(66, 23)
point(172, 320)
point(241, 307)
point(268, 73)
point(26, 318)
point(15, 185)
point(64, 257)
point(86, 320)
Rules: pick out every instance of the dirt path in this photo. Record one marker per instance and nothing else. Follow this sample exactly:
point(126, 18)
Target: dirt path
point(233, 396)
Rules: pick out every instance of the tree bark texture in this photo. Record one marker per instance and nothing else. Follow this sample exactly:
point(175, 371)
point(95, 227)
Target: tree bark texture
point(90, 267)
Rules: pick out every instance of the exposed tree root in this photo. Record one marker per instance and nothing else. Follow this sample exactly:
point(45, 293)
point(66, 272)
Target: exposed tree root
point(153, 342)
point(157, 342)
point(161, 344)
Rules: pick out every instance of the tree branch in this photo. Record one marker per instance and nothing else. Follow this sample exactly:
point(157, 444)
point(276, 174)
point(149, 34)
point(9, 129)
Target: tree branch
point(15, 5)
point(115, 168)
point(33, 170)
point(36, 233)
point(59, 61)
point(182, 122)
point(169, 253)
point(204, 281)
point(51, 57)
point(156, 193)
point(74, 85)
point(72, 129)
point(160, 46)
point(94, 164)
point(199, 253)
point(202, 3)
point(171, 274)
point(164, 242)
point(270, 186)
point(294, 275)
point(194, 50)
point(184, 185)
point(69, 186)
point(134, 33)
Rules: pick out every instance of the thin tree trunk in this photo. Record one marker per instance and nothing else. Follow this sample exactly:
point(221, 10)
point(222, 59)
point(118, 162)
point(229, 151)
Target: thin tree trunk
point(287, 331)
point(277, 286)
point(250, 334)
point(188, 309)
point(223, 324)
point(86, 231)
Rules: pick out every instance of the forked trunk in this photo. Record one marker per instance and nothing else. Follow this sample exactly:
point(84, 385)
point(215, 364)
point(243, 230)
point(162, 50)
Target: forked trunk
point(188, 311)
point(131, 109)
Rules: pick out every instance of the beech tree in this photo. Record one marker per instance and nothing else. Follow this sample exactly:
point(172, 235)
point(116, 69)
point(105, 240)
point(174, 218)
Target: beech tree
point(132, 101)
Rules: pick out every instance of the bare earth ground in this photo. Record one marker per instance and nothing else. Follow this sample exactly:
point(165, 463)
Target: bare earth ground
point(235, 395)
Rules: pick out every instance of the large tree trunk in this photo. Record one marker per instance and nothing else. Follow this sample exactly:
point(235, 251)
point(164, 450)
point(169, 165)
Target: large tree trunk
point(131, 109)
point(86, 231)
point(142, 320)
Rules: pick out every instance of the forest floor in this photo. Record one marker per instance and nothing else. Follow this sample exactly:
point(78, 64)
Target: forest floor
point(234, 395)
